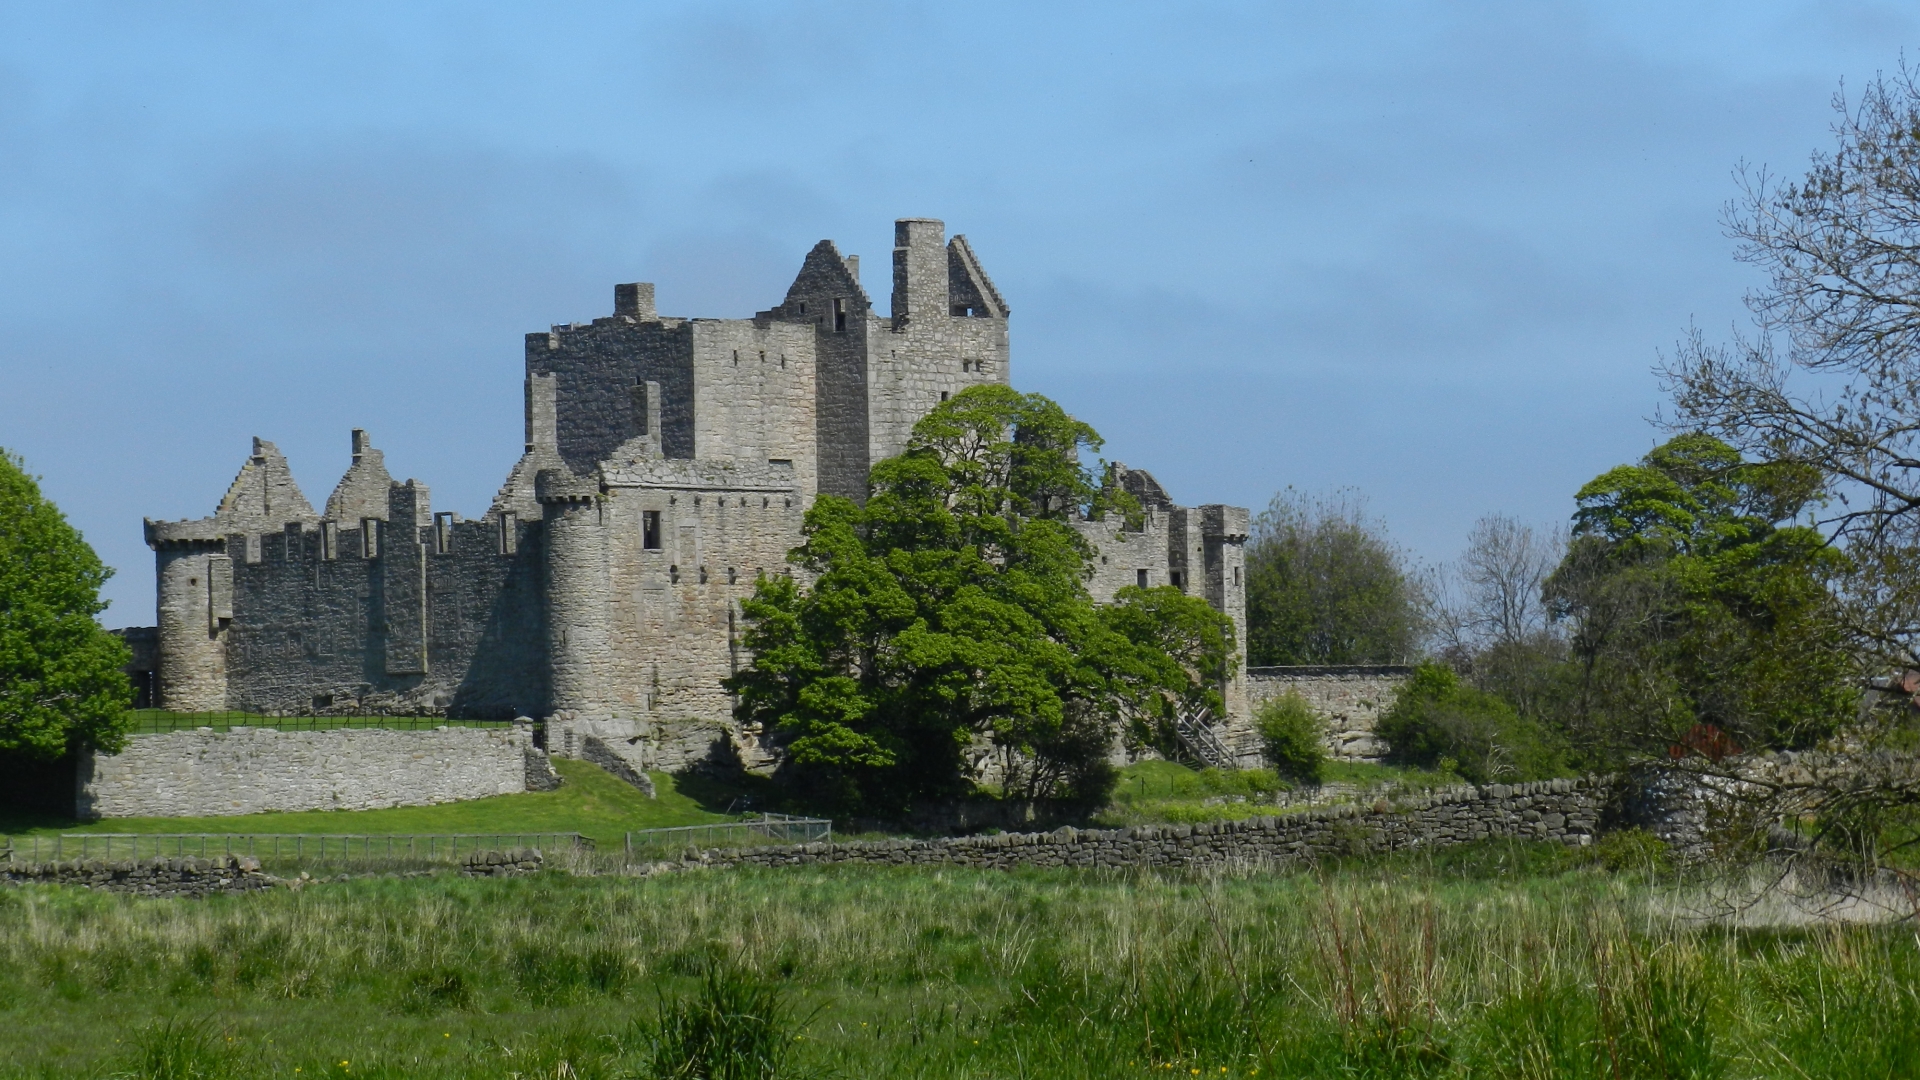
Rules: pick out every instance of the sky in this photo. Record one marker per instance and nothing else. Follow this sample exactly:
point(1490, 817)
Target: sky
point(1431, 252)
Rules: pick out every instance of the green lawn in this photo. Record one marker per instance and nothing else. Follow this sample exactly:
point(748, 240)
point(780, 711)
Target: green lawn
point(589, 801)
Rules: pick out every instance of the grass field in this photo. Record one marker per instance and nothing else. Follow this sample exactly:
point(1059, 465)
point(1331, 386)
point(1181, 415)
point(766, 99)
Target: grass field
point(1497, 961)
point(1156, 791)
point(589, 801)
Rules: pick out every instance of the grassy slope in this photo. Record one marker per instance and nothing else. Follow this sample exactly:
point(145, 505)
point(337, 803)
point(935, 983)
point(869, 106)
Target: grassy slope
point(590, 801)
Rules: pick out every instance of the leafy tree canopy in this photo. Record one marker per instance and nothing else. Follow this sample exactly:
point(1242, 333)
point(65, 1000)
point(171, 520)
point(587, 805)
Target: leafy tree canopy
point(1326, 586)
point(1437, 723)
point(1696, 598)
point(60, 680)
point(948, 621)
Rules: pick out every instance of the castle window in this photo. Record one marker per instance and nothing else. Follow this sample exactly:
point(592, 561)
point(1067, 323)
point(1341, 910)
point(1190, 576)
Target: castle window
point(369, 538)
point(650, 529)
point(966, 365)
point(839, 316)
point(703, 575)
point(443, 533)
point(329, 540)
point(509, 535)
point(673, 573)
point(1173, 578)
point(1140, 578)
point(1236, 577)
point(803, 307)
point(733, 576)
point(943, 395)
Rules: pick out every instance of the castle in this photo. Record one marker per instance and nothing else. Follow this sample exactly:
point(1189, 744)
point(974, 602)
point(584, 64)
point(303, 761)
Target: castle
point(668, 463)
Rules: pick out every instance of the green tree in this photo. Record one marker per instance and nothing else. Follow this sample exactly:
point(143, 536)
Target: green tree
point(1695, 599)
point(1436, 722)
point(61, 686)
point(1293, 738)
point(1326, 586)
point(949, 617)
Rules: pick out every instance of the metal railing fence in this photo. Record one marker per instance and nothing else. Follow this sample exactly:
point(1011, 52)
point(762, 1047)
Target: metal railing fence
point(774, 828)
point(160, 722)
point(298, 847)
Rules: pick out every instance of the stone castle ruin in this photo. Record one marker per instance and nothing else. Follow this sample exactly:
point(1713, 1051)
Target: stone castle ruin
point(668, 462)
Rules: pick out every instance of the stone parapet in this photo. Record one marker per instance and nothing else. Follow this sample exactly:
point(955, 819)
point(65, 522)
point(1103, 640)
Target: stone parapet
point(198, 531)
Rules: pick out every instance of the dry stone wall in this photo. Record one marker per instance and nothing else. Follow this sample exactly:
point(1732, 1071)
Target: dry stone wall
point(146, 877)
point(250, 771)
point(1562, 811)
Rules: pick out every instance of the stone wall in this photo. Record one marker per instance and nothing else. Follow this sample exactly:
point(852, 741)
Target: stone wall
point(145, 877)
point(1349, 697)
point(443, 619)
point(258, 770)
point(1561, 811)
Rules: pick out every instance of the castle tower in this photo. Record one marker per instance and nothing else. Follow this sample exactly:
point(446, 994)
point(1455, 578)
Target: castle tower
point(195, 600)
point(579, 615)
point(193, 573)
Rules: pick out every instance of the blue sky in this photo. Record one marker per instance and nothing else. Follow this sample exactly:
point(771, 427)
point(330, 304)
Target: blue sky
point(1430, 251)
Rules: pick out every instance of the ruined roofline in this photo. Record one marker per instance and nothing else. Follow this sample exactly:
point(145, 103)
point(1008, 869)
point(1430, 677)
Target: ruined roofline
point(263, 492)
point(362, 490)
point(962, 255)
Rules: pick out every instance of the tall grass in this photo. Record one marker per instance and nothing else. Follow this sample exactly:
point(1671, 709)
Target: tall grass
point(1499, 963)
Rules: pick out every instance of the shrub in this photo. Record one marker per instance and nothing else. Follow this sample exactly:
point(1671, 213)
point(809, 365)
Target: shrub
point(177, 1049)
point(1435, 720)
point(1632, 849)
point(736, 1026)
point(1293, 738)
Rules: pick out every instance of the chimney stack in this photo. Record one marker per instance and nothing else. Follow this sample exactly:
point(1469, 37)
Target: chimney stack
point(919, 270)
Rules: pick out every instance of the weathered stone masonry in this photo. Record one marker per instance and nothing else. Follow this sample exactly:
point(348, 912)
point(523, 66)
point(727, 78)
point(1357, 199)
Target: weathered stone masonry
point(1350, 698)
point(252, 771)
point(668, 463)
